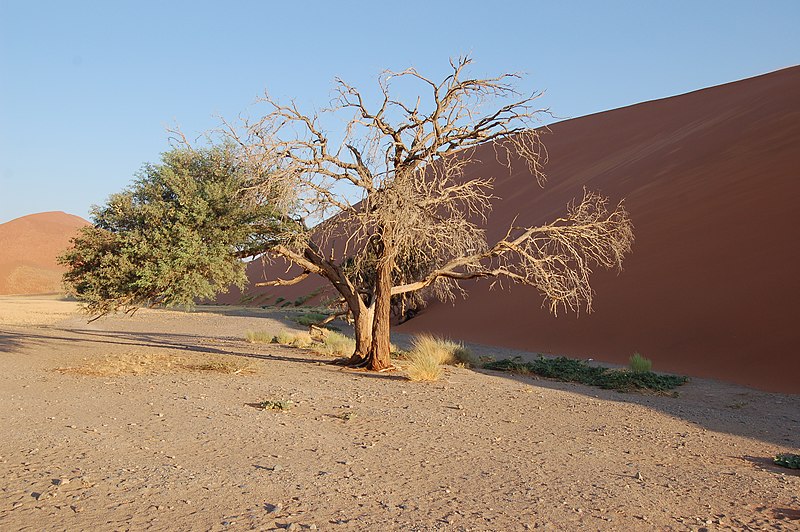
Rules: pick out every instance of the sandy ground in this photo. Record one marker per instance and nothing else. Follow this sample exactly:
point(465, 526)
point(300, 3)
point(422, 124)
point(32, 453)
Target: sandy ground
point(128, 423)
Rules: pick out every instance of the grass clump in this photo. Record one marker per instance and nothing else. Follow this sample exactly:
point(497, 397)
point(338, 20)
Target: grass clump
point(259, 337)
point(638, 364)
point(423, 367)
point(428, 354)
point(443, 350)
point(337, 344)
point(792, 461)
point(294, 339)
point(572, 370)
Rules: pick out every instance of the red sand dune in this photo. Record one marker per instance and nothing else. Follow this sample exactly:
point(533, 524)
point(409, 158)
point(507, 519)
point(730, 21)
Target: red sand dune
point(28, 250)
point(711, 180)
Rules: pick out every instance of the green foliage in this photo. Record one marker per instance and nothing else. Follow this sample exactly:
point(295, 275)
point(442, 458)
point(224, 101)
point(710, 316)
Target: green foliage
point(638, 364)
point(171, 238)
point(571, 370)
point(309, 318)
point(792, 461)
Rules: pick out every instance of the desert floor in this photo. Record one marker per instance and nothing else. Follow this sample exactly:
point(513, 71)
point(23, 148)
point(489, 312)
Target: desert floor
point(149, 422)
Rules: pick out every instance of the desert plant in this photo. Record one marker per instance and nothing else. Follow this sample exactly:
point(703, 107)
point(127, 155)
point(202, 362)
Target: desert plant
point(294, 339)
point(259, 337)
point(639, 364)
point(443, 350)
point(310, 318)
point(792, 461)
point(572, 370)
point(337, 344)
point(423, 366)
point(277, 404)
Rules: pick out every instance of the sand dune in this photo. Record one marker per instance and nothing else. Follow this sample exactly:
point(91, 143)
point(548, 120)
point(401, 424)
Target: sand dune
point(28, 250)
point(711, 180)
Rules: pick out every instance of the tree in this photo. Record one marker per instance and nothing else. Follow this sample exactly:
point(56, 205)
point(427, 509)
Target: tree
point(174, 236)
point(382, 210)
point(397, 209)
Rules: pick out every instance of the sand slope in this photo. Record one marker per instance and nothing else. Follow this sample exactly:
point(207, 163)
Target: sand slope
point(28, 250)
point(711, 181)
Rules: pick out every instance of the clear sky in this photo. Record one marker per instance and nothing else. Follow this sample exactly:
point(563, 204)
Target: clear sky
point(88, 88)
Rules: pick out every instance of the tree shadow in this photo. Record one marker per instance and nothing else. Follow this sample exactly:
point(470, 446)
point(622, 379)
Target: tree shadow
point(10, 342)
point(715, 406)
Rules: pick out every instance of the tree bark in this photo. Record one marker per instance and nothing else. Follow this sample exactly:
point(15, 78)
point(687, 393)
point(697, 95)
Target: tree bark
point(362, 328)
point(378, 356)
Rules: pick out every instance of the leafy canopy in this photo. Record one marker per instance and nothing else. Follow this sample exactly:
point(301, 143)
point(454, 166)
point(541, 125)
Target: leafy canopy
point(173, 237)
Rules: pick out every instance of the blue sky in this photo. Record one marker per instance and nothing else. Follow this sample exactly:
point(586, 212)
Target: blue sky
point(88, 88)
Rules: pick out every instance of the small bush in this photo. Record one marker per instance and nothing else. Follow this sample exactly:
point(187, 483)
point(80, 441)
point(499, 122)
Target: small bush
point(337, 344)
point(571, 370)
point(310, 318)
point(639, 364)
point(259, 337)
point(792, 461)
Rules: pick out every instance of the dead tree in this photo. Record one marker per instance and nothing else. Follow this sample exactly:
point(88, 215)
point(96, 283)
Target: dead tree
point(391, 189)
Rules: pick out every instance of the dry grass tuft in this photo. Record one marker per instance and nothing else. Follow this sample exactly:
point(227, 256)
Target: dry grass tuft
point(336, 344)
point(444, 351)
point(422, 366)
point(259, 337)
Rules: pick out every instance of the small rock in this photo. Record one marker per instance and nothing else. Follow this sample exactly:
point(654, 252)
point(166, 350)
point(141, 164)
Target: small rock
point(639, 475)
point(60, 481)
point(77, 509)
point(277, 467)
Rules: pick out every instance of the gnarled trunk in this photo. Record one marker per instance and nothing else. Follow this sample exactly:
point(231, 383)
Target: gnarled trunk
point(378, 356)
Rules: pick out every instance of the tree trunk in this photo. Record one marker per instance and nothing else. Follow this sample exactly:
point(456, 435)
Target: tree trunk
point(378, 356)
point(362, 328)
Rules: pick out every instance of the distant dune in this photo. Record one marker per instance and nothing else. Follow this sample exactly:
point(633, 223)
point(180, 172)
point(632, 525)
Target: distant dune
point(28, 250)
point(711, 180)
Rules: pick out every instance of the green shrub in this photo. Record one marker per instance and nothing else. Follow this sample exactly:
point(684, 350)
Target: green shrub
point(792, 461)
point(572, 370)
point(309, 318)
point(639, 364)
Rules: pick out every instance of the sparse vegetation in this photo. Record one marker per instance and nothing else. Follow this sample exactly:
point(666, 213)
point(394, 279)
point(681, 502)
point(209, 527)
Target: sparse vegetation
point(158, 362)
point(423, 366)
point(279, 404)
point(309, 318)
point(639, 364)
point(259, 337)
point(337, 344)
point(428, 353)
point(792, 461)
point(443, 350)
point(572, 370)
